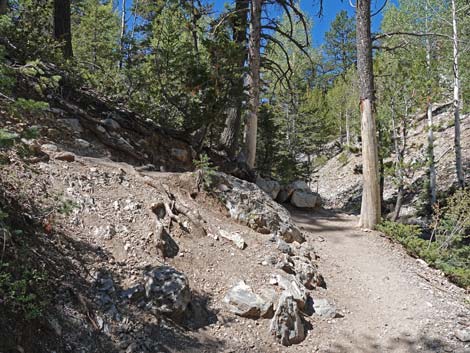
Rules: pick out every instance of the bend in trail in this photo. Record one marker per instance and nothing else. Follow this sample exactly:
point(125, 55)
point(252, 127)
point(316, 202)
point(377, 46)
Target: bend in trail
point(391, 302)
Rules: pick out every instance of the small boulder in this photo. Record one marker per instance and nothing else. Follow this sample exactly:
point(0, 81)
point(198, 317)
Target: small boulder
point(72, 124)
point(271, 187)
point(65, 156)
point(296, 185)
point(294, 289)
point(283, 247)
point(234, 238)
point(305, 199)
point(323, 308)
point(48, 148)
point(463, 334)
point(287, 325)
point(82, 143)
point(306, 272)
point(167, 291)
point(111, 124)
point(242, 301)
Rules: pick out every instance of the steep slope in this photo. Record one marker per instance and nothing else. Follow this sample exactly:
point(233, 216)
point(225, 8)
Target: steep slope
point(339, 180)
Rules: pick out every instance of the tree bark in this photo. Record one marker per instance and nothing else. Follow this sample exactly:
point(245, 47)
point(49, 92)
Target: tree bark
point(62, 26)
point(123, 32)
point(399, 158)
point(230, 135)
point(370, 208)
point(254, 53)
point(430, 148)
point(3, 7)
point(458, 148)
point(348, 132)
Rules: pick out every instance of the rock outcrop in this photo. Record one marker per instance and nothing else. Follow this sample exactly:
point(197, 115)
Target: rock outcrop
point(250, 205)
point(271, 187)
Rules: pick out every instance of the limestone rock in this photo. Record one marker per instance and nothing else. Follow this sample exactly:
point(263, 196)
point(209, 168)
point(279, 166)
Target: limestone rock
point(323, 308)
point(247, 203)
point(283, 247)
point(233, 237)
point(297, 185)
point(463, 334)
point(306, 272)
point(287, 325)
point(242, 301)
point(167, 291)
point(271, 187)
point(305, 199)
point(294, 289)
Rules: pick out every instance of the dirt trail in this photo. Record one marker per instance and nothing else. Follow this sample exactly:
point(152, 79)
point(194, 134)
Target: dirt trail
point(390, 301)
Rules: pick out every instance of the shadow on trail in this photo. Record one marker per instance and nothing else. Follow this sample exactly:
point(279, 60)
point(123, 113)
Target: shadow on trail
point(402, 343)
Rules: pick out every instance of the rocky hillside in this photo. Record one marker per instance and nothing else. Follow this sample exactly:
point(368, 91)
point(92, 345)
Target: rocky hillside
point(108, 249)
point(339, 180)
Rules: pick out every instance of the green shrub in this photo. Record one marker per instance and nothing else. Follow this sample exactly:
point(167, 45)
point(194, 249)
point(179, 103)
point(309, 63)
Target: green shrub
point(19, 288)
point(453, 258)
point(206, 171)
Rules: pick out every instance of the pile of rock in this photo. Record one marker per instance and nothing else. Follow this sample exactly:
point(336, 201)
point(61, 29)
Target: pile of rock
point(289, 302)
point(297, 193)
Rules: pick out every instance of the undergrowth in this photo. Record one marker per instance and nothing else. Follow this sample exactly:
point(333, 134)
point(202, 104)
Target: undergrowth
point(448, 247)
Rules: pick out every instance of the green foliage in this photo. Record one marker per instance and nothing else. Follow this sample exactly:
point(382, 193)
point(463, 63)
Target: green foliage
point(66, 206)
point(96, 44)
point(340, 43)
point(23, 106)
point(448, 248)
point(206, 170)
point(343, 158)
point(21, 288)
point(28, 28)
point(7, 138)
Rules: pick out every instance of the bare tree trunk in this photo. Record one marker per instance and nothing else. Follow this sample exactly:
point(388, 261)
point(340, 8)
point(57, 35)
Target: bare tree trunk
point(341, 129)
point(370, 208)
point(348, 132)
point(62, 26)
point(254, 54)
point(430, 149)
point(458, 148)
point(3, 7)
point(123, 32)
point(230, 135)
point(399, 158)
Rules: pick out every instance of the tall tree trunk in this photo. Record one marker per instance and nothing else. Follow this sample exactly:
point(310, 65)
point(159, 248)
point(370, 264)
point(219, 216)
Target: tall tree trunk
point(254, 53)
point(399, 158)
point(370, 208)
point(230, 135)
point(3, 7)
point(458, 149)
point(62, 26)
point(348, 132)
point(123, 32)
point(430, 148)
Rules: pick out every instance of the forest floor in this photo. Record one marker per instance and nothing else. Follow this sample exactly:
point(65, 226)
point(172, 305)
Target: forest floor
point(392, 302)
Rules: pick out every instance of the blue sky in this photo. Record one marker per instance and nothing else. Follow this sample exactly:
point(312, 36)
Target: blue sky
point(330, 9)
